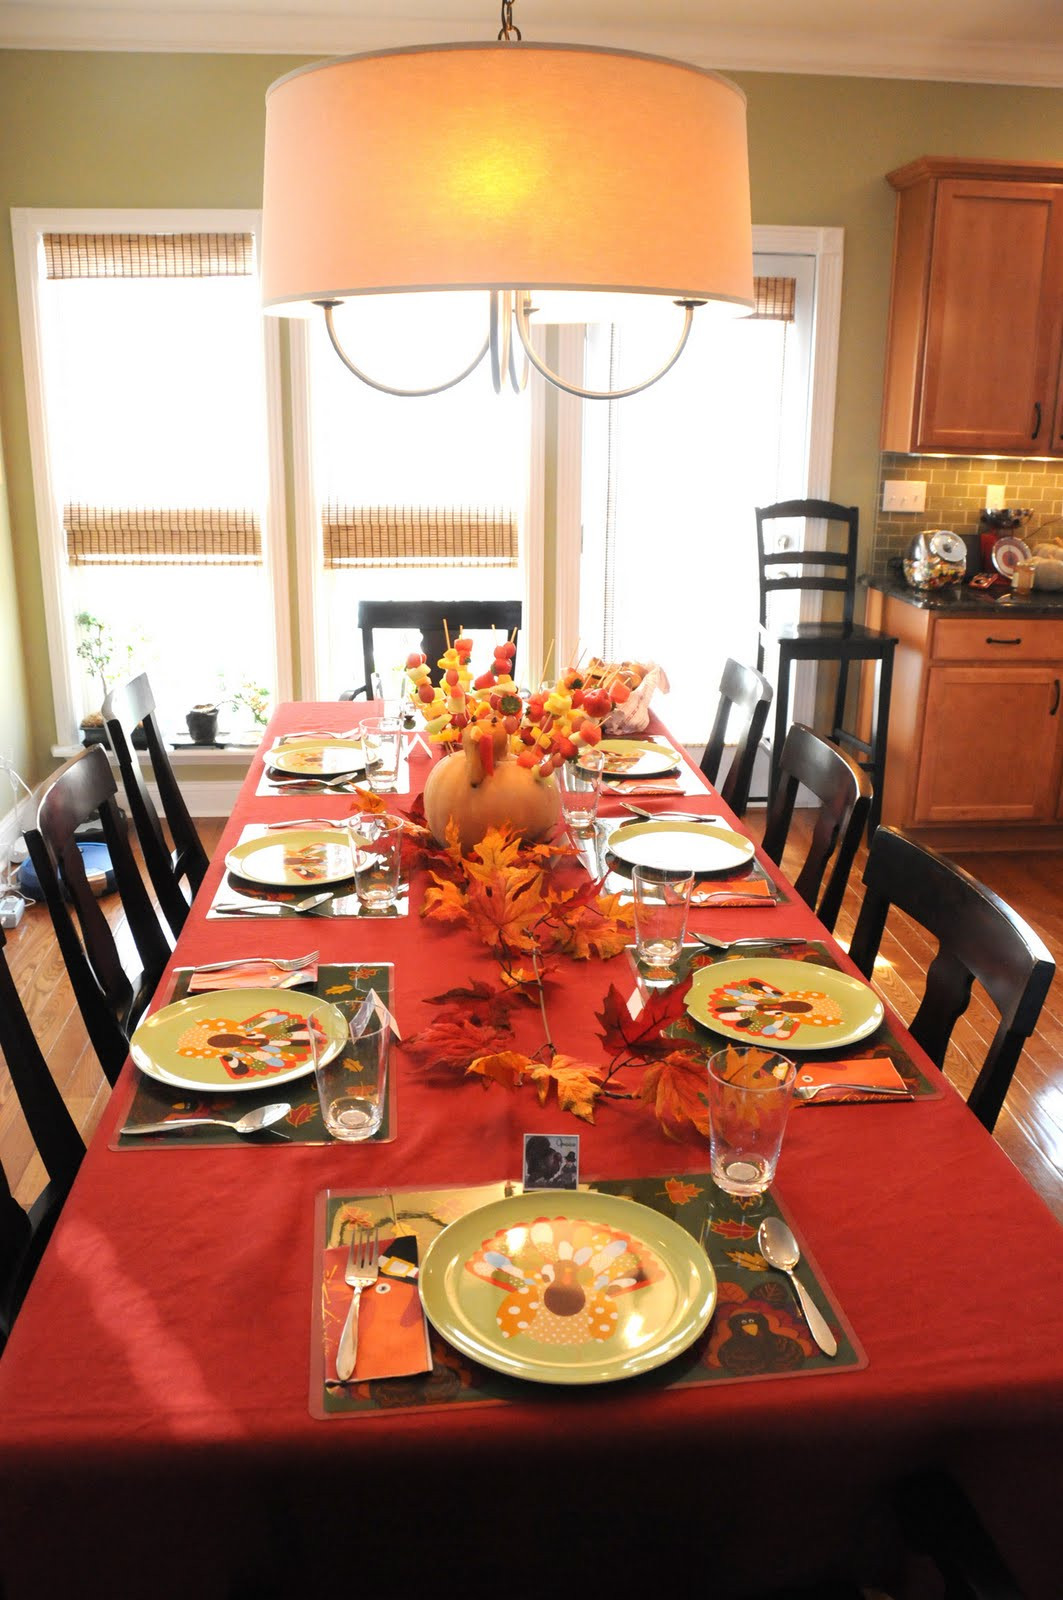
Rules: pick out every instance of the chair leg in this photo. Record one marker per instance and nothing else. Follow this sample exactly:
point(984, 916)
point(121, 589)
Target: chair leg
point(880, 717)
point(782, 717)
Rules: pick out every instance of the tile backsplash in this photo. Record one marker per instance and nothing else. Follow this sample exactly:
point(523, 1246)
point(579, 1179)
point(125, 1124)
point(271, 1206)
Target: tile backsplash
point(956, 494)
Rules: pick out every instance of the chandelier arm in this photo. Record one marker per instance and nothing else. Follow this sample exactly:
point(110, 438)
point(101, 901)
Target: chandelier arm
point(328, 306)
point(501, 336)
point(520, 312)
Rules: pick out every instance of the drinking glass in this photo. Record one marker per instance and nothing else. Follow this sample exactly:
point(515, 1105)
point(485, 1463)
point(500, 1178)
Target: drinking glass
point(375, 840)
point(381, 748)
point(662, 901)
point(352, 1087)
point(750, 1094)
point(580, 784)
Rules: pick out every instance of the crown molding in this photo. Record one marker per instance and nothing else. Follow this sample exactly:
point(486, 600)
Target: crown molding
point(1030, 62)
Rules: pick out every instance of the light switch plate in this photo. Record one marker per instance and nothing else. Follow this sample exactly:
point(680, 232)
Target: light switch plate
point(904, 494)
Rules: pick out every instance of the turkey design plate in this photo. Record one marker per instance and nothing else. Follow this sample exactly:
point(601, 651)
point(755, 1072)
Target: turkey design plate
point(237, 1039)
point(627, 758)
point(323, 758)
point(1009, 553)
point(580, 1288)
point(680, 846)
point(784, 1003)
point(296, 856)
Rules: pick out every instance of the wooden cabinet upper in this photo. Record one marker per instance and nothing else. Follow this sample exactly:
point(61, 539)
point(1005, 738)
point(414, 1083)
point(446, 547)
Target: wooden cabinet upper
point(974, 360)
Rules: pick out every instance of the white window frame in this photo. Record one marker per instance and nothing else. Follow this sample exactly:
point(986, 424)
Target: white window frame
point(826, 247)
point(27, 225)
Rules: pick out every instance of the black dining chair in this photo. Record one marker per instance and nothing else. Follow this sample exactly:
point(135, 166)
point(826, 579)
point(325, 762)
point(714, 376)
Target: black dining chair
point(24, 1233)
point(979, 938)
point(111, 1000)
point(129, 706)
point(745, 696)
point(433, 620)
point(844, 795)
point(828, 571)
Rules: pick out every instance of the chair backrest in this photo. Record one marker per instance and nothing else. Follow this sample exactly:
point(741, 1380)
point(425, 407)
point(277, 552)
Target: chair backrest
point(110, 1000)
point(128, 706)
point(434, 620)
point(979, 937)
point(24, 1233)
point(844, 795)
point(775, 567)
point(748, 693)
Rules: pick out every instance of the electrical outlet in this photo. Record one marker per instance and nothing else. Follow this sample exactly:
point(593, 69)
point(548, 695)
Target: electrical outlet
point(904, 494)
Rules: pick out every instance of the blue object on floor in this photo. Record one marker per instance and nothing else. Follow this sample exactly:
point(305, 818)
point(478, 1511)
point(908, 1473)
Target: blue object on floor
point(98, 868)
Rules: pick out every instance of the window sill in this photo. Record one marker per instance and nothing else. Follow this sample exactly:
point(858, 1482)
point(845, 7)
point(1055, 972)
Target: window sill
point(191, 755)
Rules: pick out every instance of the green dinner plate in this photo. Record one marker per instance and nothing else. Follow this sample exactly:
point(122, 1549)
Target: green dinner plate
point(567, 1288)
point(260, 1033)
point(628, 758)
point(318, 758)
point(697, 847)
point(295, 857)
point(784, 1003)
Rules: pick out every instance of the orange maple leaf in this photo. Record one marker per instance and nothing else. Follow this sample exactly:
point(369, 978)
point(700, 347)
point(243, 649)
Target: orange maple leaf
point(679, 1192)
point(578, 1085)
point(366, 800)
point(676, 1088)
point(506, 1067)
point(444, 902)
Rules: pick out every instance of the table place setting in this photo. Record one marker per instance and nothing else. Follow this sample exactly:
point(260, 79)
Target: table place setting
point(210, 1060)
point(375, 755)
point(655, 1281)
point(350, 869)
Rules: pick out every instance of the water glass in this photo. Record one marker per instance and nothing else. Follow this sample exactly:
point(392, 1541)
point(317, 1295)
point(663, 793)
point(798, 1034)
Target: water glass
point(375, 839)
point(662, 902)
point(382, 739)
point(580, 784)
point(352, 1087)
point(750, 1094)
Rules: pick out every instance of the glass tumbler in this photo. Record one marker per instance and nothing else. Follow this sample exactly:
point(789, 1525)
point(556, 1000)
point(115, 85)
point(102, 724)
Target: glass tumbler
point(750, 1094)
point(375, 840)
point(662, 903)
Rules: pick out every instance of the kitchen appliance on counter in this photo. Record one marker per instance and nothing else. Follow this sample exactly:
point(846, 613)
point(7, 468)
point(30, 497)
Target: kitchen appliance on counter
point(935, 558)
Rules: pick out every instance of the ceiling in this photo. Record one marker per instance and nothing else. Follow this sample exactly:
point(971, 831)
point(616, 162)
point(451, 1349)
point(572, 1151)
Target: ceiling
point(978, 41)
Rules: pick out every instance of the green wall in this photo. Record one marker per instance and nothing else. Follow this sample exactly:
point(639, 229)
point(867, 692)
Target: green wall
point(93, 129)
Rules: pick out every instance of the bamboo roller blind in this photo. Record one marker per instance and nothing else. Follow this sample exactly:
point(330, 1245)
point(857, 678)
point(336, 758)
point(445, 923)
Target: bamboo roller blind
point(155, 538)
point(148, 255)
point(418, 536)
point(773, 299)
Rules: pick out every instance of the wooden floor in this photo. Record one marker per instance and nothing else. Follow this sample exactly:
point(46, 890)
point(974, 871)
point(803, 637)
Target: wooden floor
point(1030, 1127)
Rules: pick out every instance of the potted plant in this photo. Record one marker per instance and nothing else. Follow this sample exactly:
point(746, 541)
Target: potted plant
point(97, 648)
point(202, 723)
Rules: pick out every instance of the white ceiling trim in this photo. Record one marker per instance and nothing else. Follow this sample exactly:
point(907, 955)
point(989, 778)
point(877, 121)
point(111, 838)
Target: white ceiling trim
point(1030, 62)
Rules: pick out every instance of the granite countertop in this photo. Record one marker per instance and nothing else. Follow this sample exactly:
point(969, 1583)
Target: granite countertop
point(959, 600)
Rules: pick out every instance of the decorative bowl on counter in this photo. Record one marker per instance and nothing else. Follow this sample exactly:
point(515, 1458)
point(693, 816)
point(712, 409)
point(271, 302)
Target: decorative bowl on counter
point(935, 558)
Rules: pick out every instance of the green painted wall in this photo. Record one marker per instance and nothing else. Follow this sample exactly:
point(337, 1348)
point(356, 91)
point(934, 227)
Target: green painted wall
point(92, 129)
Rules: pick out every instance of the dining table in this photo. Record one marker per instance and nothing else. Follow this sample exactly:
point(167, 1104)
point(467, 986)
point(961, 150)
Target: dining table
point(169, 1427)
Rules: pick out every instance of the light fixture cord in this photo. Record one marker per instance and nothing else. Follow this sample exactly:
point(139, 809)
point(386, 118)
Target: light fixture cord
point(509, 29)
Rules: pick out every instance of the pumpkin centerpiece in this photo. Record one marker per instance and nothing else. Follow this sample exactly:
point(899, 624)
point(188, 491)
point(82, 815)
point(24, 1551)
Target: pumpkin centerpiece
point(510, 745)
point(482, 786)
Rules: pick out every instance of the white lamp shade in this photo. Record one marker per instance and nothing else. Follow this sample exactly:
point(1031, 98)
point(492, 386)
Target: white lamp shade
point(505, 166)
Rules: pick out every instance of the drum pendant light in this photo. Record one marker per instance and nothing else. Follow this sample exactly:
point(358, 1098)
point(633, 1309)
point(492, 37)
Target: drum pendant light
point(515, 168)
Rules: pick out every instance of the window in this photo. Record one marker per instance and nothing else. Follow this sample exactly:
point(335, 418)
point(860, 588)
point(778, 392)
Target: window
point(147, 377)
point(670, 479)
point(412, 498)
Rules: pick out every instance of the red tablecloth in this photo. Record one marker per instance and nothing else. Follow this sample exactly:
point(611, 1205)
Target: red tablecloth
point(154, 1426)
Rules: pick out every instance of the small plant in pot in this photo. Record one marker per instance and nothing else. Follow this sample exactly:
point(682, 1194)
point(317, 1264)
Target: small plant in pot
point(202, 723)
point(98, 648)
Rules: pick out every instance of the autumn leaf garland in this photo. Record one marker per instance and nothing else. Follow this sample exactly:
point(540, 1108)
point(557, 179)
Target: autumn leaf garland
point(505, 893)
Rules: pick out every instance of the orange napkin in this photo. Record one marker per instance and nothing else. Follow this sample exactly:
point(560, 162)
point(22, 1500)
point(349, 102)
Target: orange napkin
point(840, 1075)
point(734, 892)
point(392, 1332)
point(643, 786)
point(251, 975)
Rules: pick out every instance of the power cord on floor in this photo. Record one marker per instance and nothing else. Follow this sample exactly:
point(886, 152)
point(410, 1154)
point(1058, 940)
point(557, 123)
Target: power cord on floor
point(13, 901)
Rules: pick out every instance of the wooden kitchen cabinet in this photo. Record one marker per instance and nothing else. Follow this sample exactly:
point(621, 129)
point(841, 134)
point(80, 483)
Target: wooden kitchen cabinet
point(976, 723)
point(974, 358)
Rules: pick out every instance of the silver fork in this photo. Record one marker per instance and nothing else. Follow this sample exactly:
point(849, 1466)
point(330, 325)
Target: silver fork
point(363, 1264)
point(317, 783)
point(293, 964)
point(809, 1091)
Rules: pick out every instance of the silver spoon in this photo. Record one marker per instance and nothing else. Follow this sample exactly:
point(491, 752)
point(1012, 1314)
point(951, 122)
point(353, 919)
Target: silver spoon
point(779, 1249)
point(253, 1122)
point(670, 816)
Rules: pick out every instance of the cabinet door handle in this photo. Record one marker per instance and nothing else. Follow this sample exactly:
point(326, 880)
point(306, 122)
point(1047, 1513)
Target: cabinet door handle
point(1055, 697)
point(991, 640)
point(1036, 419)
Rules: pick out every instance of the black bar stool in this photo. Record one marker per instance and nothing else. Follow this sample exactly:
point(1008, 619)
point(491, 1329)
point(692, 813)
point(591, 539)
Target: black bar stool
point(844, 641)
